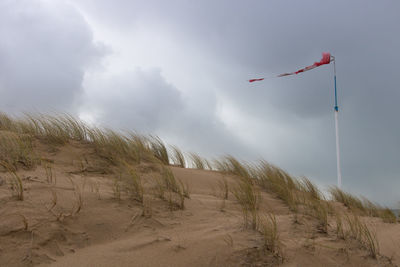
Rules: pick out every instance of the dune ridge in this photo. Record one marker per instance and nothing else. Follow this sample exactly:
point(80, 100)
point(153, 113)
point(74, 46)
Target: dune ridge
point(71, 194)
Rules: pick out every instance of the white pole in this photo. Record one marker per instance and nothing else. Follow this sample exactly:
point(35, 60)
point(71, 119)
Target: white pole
point(339, 174)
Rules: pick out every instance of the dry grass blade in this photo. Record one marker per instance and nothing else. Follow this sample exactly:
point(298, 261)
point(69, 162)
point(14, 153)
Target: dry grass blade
point(320, 212)
point(50, 176)
point(350, 201)
point(78, 192)
point(361, 232)
point(235, 167)
point(185, 189)
point(77, 129)
point(220, 165)
point(16, 149)
point(311, 189)
point(279, 182)
point(269, 230)
point(6, 123)
point(371, 209)
point(170, 183)
point(197, 161)
point(147, 210)
point(208, 164)
point(171, 189)
point(387, 215)
point(116, 187)
point(370, 241)
point(159, 149)
point(25, 221)
point(223, 188)
point(134, 184)
point(354, 224)
point(17, 187)
point(54, 199)
point(58, 212)
point(178, 158)
point(249, 198)
point(340, 232)
point(362, 206)
point(52, 209)
point(117, 148)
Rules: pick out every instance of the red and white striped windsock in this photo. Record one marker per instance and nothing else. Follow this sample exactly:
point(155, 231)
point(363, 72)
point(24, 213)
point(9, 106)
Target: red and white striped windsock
point(326, 59)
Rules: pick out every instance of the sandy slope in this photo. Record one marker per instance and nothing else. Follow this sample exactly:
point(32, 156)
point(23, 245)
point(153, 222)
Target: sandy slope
point(111, 232)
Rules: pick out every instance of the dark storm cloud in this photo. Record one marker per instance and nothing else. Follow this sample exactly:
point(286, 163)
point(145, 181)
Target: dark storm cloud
point(44, 51)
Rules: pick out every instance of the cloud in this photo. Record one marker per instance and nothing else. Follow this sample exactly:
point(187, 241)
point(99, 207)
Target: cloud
point(209, 49)
point(179, 70)
point(45, 48)
point(142, 100)
point(139, 99)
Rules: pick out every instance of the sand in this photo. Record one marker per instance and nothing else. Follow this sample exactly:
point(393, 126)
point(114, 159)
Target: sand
point(112, 232)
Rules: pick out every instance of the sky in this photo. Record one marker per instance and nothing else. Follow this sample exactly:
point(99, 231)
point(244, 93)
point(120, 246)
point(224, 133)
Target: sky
point(179, 69)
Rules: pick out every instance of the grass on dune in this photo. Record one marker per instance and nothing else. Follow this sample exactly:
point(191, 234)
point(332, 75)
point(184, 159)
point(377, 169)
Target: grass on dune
point(387, 215)
point(362, 206)
point(116, 147)
point(350, 201)
point(309, 188)
point(295, 192)
point(58, 129)
point(53, 129)
point(178, 158)
point(159, 149)
point(340, 231)
point(320, 210)
point(220, 165)
point(59, 212)
point(111, 145)
point(134, 184)
point(269, 230)
point(141, 147)
point(248, 196)
point(117, 187)
point(358, 230)
point(235, 167)
point(128, 182)
point(208, 164)
point(17, 150)
point(279, 182)
point(50, 175)
point(171, 189)
point(18, 135)
point(16, 185)
point(197, 161)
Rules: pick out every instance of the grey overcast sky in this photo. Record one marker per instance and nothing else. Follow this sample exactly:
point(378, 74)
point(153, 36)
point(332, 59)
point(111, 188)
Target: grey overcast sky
point(178, 69)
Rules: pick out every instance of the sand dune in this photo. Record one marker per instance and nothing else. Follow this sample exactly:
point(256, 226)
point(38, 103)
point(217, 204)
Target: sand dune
point(108, 231)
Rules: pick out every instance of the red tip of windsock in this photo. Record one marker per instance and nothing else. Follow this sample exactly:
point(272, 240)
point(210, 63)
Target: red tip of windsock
point(326, 58)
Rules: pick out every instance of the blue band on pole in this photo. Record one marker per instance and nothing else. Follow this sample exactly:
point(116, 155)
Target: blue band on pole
point(336, 105)
point(334, 75)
